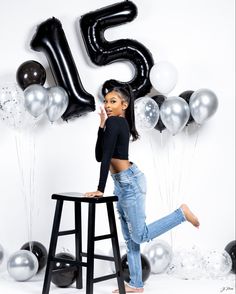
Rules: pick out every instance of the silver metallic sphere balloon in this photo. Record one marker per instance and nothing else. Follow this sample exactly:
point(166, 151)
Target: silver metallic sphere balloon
point(22, 265)
point(36, 99)
point(159, 254)
point(58, 102)
point(1, 254)
point(203, 104)
point(146, 113)
point(174, 114)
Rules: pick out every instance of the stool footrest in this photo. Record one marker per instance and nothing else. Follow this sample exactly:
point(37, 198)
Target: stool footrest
point(104, 278)
point(102, 237)
point(68, 232)
point(99, 256)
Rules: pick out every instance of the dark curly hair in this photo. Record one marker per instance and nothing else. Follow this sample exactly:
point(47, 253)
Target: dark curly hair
point(126, 93)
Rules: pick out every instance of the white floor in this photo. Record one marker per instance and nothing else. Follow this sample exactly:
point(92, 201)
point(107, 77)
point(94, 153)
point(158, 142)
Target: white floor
point(156, 284)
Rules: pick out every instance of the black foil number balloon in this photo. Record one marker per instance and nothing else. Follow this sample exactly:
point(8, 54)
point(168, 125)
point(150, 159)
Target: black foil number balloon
point(30, 72)
point(102, 52)
point(63, 274)
point(38, 250)
point(146, 268)
point(50, 39)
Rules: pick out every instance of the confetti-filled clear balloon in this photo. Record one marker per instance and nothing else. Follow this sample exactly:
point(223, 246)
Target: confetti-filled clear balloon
point(22, 265)
point(1, 254)
point(159, 254)
point(217, 264)
point(146, 113)
point(12, 109)
point(187, 264)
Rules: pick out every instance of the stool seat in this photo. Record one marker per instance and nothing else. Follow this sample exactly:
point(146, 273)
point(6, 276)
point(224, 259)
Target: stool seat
point(78, 198)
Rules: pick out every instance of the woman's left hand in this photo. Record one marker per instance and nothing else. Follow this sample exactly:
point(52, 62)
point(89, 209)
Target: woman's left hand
point(94, 194)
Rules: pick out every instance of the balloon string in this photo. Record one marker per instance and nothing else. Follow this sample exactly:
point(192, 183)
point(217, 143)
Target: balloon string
point(155, 165)
point(18, 143)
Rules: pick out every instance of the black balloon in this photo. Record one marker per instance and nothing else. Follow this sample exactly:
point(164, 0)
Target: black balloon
point(38, 250)
point(30, 72)
point(146, 268)
point(102, 52)
point(63, 274)
point(50, 39)
point(231, 249)
point(186, 96)
point(159, 99)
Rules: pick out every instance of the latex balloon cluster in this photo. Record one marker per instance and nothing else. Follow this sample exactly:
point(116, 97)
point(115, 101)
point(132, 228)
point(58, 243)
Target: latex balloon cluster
point(174, 113)
point(194, 263)
point(31, 76)
point(53, 101)
point(26, 262)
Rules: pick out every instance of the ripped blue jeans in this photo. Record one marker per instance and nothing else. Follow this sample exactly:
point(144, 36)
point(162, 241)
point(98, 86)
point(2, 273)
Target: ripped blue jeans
point(130, 187)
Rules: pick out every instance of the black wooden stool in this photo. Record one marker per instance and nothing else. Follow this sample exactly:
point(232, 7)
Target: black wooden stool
point(78, 198)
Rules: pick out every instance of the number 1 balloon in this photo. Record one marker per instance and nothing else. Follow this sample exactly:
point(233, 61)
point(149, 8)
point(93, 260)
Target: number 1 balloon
point(50, 39)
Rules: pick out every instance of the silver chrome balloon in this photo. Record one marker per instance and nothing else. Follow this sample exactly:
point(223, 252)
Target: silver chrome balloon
point(22, 265)
point(203, 104)
point(1, 253)
point(58, 102)
point(146, 113)
point(159, 254)
point(174, 114)
point(36, 99)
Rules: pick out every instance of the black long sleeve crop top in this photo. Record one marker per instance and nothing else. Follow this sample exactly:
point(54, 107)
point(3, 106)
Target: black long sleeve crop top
point(112, 142)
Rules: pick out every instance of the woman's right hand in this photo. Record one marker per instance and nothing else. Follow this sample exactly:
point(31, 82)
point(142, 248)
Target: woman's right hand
point(103, 116)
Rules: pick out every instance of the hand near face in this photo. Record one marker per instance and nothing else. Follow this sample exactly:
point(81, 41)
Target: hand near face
point(103, 116)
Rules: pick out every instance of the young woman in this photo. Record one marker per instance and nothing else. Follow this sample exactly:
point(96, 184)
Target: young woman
point(117, 124)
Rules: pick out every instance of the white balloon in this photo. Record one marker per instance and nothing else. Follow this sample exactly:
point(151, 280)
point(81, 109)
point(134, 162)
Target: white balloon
point(163, 77)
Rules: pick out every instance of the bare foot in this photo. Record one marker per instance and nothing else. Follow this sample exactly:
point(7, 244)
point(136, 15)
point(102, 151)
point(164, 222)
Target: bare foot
point(130, 290)
point(190, 216)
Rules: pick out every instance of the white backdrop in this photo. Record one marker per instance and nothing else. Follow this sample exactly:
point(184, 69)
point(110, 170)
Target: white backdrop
point(198, 38)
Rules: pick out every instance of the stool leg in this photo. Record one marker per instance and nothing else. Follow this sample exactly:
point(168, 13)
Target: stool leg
point(78, 245)
point(115, 247)
point(52, 247)
point(90, 249)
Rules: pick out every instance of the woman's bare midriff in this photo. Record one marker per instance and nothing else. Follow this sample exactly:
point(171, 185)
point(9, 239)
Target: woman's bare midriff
point(117, 165)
